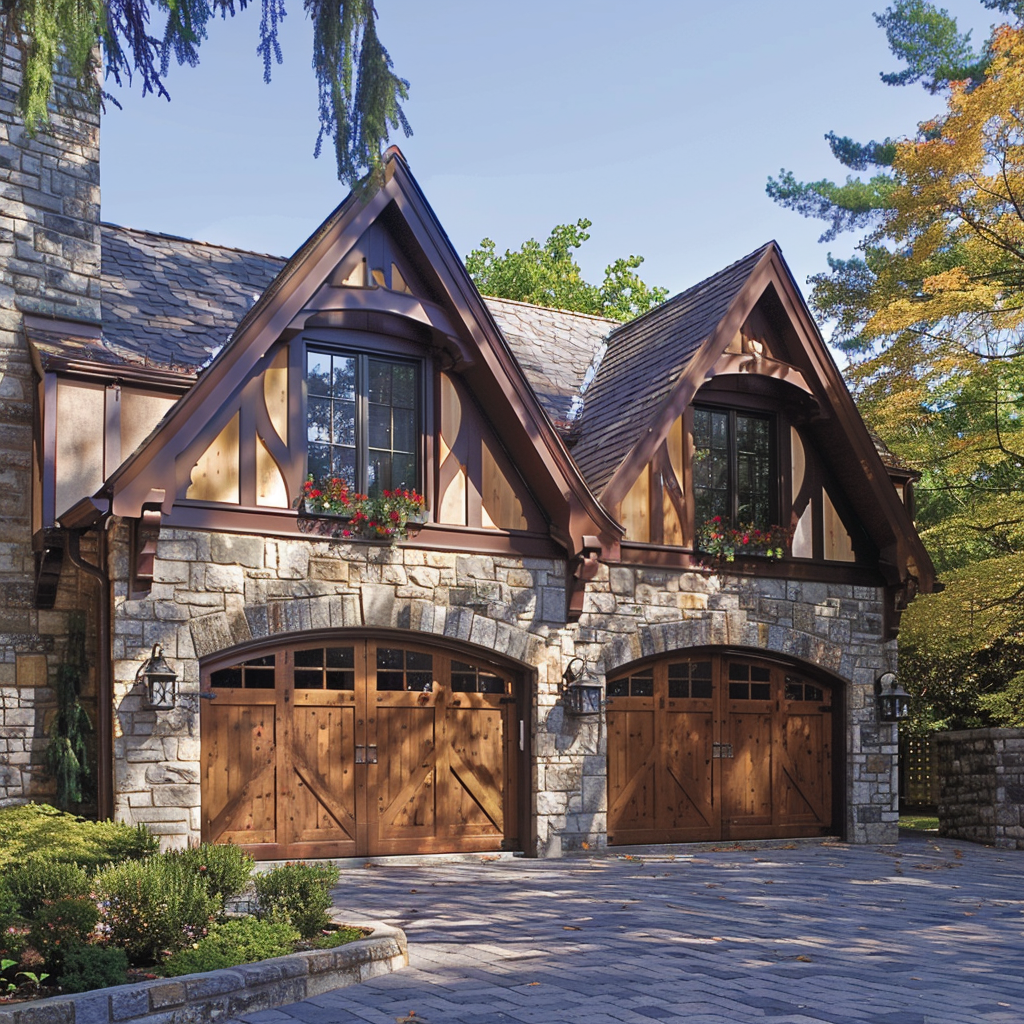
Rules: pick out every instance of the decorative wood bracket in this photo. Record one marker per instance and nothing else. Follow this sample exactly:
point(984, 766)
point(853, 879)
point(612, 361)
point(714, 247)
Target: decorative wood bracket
point(49, 560)
point(582, 568)
point(144, 534)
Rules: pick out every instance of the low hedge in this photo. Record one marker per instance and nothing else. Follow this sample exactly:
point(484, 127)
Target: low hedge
point(39, 829)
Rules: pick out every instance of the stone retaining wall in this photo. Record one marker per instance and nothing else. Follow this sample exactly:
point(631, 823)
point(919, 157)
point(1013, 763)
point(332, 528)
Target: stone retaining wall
point(981, 786)
point(224, 994)
point(215, 591)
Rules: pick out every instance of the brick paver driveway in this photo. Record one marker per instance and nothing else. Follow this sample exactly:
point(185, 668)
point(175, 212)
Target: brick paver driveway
point(927, 931)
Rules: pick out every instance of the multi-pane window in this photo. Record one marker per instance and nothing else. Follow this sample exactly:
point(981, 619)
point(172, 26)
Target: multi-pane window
point(732, 467)
point(362, 420)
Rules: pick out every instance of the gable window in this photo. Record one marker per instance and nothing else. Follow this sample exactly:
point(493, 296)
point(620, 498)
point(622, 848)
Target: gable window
point(733, 467)
point(362, 420)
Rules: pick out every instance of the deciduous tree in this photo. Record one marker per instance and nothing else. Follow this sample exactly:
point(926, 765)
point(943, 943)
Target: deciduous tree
point(548, 275)
point(930, 312)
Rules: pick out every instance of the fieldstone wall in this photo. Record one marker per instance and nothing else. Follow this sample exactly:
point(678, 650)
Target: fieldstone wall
point(214, 591)
point(981, 786)
point(49, 264)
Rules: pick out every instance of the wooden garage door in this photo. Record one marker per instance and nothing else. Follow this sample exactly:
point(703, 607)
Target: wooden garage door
point(338, 749)
point(717, 746)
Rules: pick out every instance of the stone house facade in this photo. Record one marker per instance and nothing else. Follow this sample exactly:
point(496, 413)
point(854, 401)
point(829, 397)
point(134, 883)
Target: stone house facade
point(343, 696)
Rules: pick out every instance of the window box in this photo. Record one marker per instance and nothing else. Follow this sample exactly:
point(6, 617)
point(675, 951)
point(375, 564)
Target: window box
point(343, 514)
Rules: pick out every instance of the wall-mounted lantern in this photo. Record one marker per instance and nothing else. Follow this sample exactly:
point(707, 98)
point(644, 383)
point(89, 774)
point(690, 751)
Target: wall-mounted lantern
point(159, 679)
point(579, 698)
point(893, 700)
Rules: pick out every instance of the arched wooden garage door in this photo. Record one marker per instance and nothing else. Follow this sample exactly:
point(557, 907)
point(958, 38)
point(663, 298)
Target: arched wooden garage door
point(714, 746)
point(338, 748)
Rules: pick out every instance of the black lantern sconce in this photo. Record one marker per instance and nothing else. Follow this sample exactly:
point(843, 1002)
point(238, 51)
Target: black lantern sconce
point(579, 698)
point(159, 679)
point(893, 700)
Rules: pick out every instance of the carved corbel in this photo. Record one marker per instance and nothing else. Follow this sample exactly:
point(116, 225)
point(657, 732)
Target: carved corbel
point(145, 531)
point(582, 568)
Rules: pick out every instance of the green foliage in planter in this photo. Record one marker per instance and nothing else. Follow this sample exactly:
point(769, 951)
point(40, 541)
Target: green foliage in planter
point(152, 906)
point(224, 868)
point(66, 755)
point(297, 893)
point(89, 967)
point(61, 926)
point(338, 937)
point(38, 881)
point(241, 941)
point(39, 828)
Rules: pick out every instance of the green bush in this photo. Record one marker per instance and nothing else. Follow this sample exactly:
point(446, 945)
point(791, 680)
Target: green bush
point(89, 967)
point(38, 881)
point(241, 941)
point(62, 926)
point(38, 828)
point(338, 937)
point(152, 906)
point(297, 893)
point(225, 869)
point(8, 909)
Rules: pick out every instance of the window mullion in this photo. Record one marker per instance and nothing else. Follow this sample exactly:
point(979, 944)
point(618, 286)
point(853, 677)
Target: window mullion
point(363, 418)
point(734, 471)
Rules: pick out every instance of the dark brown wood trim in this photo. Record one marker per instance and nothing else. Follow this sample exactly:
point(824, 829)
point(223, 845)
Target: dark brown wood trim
point(49, 396)
point(188, 515)
point(124, 373)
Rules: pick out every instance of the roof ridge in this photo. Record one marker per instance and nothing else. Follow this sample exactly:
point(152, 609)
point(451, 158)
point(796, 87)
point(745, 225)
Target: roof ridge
point(191, 241)
point(552, 309)
point(700, 284)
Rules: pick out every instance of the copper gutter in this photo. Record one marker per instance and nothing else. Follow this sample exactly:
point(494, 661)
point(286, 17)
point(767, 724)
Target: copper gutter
point(104, 675)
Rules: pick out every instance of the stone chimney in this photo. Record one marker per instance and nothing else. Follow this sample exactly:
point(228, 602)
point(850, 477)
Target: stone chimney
point(49, 266)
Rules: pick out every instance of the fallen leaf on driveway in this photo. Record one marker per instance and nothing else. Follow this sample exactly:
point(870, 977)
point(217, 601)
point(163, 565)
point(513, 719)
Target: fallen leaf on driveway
point(805, 959)
point(570, 928)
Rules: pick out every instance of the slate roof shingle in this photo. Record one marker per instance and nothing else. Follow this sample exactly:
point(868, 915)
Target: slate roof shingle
point(644, 359)
point(556, 349)
point(171, 302)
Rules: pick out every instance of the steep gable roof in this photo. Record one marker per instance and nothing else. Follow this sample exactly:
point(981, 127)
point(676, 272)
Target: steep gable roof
point(306, 292)
point(644, 360)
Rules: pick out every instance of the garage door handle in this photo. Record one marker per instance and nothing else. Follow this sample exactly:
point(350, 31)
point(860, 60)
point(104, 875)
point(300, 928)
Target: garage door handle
point(366, 754)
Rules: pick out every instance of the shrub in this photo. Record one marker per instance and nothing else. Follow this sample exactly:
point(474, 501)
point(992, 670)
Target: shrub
point(241, 941)
point(40, 881)
point(89, 967)
point(153, 905)
point(339, 937)
point(225, 869)
point(37, 828)
point(61, 926)
point(8, 908)
point(297, 893)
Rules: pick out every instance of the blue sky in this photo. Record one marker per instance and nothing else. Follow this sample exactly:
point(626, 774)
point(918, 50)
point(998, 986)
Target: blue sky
point(659, 121)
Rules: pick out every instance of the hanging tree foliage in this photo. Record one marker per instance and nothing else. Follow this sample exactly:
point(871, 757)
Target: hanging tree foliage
point(360, 96)
point(930, 312)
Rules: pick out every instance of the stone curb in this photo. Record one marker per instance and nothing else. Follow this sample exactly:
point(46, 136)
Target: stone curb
point(201, 998)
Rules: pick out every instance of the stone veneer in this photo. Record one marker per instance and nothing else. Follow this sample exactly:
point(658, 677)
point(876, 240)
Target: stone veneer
point(981, 786)
point(50, 265)
point(213, 591)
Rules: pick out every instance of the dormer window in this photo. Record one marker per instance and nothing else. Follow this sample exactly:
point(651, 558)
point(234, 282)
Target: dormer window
point(362, 420)
point(733, 467)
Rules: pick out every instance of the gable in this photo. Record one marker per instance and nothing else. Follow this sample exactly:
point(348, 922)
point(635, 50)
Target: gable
point(379, 284)
point(744, 341)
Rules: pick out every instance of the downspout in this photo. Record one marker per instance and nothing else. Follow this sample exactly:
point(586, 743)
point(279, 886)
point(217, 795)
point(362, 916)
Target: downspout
point(104, 675)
